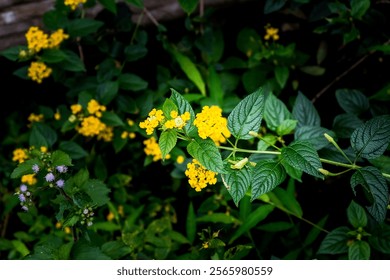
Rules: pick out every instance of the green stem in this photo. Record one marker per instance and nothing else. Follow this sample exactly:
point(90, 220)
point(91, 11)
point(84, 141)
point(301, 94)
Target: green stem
point(249, 151)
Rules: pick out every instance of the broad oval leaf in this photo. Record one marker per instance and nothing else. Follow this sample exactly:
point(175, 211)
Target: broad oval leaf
point(356, 215)
point(183, 106)
point(237, 183)
point(359, 250)
point(247, 115)
point(207, 153)
point(192, 72)
point(313, 135)
point(305, 112)
point(275, 112)
point(345, 124)
point(83, 27)
point(188, 5)
point(303, 156)
point(132, 82)
point(352, 101)
point(375, 184)
point(372, 138)
point(167, 141)
point(266, 176)
point(335, 242)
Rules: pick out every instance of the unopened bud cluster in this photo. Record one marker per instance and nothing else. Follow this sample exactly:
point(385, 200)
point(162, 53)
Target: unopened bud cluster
point(86, 216)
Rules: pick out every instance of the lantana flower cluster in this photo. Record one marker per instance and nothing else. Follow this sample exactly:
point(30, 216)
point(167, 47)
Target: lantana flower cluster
point(89, 121)
point(38, 40)
point(198, 176)
point(211, 124)
point(73, 4)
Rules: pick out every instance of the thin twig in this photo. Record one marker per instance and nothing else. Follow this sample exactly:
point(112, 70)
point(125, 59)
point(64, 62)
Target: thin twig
point(151, 17)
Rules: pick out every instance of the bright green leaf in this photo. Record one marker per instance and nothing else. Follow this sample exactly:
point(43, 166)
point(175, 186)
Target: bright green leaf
point(191, 71)
point(168, 107)
point(359, 8)
point(313, 70)
point(61, 158)
point(112, 119)
point(184, 106)
point(167, 141)
point(286, 127)
point(191, 223)
point(207, 153)
point(24, 168)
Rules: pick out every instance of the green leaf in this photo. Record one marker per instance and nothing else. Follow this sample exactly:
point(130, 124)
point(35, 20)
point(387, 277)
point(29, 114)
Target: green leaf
point(382, 163)
point(374, 184)
point(191, 223)
point(275, 112)
point(286, 127)
point(109, 5)
point(287, 201)
point(168, 107)
point(292, 171)
point(247, 115)
point(215, 87)
point(359, 8)
point(13, 52)
point(335, 242)
point(237, 183)
point(352, 101)
point(384, 93)
point(83, 27)
point(42, 135)
point(20, 247)
point(207, 153)
point(116, 249)
point(183, 106)
point(217, 218)
point(313, 70)
point(359, 250)
point(380, 239)
point(83, 250)
point(53, 56)
point(281, 74)
point(315, 232)
point(305, 112)
point(60, 158)
point(371, 139)
point(72, 62)
point(135, 52)
point(188, 5)
point(74, 150)
point(107, 91)
point(137, 3)
point(266, 141)
point(97, 191)
point(314, 135)
point(345, 124)
point(356, 215)
point(253, 219)
point(132, 82)
point(111, 119)
point(167, 141)
point(266, 176)
point(301, 155)
point(273, 5)
point(191, 71)
point(24, 168)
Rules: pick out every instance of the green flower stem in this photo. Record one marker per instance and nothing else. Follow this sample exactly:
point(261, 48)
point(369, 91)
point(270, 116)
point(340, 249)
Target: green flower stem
point(335, 163)
point(234, 149)
point(331, 140)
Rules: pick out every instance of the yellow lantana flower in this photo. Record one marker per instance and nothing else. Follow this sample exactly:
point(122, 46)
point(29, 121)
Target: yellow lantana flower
point(19, 155)
point(271, 32)
point(38, 71)
point(177, 121)
point(153, 149)
point(36, 39)
point(91, 126)
point(198, 176)
point(74, 3)
point(29, 179)
point(154, 119)
point(210, 123)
